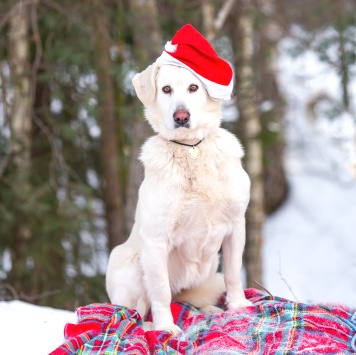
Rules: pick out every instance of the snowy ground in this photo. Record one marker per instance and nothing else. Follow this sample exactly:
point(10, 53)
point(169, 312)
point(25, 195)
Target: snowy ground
point(310, 243)
point(31, 330)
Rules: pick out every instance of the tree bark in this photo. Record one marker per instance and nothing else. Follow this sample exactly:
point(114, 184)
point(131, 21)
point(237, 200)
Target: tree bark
point(112, 189)
point(344, 69)
point(270, 99)
point(21, 128)
point(148, 46)
point(20, 122)
point(251, 125)
point(207, 10)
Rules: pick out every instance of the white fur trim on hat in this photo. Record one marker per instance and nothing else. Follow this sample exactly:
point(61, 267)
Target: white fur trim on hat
point(170, 48)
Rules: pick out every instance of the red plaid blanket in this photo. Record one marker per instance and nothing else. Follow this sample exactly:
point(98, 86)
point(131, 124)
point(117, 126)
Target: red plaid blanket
point(273, 326)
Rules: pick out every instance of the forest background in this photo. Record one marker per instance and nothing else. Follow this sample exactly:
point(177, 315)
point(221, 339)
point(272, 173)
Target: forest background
point(71, 125)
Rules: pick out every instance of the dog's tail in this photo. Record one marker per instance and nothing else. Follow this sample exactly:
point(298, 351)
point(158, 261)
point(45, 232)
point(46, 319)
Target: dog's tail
point(206, 295)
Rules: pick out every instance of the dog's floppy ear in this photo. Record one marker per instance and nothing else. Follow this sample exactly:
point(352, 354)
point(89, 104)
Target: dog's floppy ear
point(145, 84)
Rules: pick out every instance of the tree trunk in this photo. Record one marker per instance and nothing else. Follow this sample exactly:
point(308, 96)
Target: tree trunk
point(112, 189)
point(251, 131)
point(47, 278)
point(207, 10)
point(147, 35)
point(272, 104)
point(21, 127)
point(148, 46)
point(344, 69)
point(20, 122)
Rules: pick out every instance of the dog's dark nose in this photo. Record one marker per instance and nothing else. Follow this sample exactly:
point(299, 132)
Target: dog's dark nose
point(181, 117)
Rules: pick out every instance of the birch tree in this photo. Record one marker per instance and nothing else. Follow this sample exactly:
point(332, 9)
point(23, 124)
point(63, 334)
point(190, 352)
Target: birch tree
point(20, 122)
point(251, 126)
point(20, 127)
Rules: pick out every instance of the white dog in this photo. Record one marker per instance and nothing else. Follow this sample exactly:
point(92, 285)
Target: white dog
point(189, 205)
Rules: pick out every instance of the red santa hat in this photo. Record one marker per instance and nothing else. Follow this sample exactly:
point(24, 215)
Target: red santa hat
point(189, 49)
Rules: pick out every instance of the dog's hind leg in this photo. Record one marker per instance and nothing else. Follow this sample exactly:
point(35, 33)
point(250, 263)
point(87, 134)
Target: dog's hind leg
point(206, 295)
point(124, 280)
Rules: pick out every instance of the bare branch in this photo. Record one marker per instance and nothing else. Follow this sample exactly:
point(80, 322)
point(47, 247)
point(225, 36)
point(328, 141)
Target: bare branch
point(213, 26)
point(15, 295)
point(262, 287)
point(56, 6)
point(284, 280)
point(39, 296)
point(22, 297)
point(223, 14)
point(12, 12)
point(56, 154)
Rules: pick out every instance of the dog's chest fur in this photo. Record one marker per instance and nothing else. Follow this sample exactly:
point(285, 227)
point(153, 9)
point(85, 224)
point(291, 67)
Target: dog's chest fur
point(197, 199)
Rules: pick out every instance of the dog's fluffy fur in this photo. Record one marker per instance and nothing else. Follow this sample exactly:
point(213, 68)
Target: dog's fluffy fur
point(187, 209)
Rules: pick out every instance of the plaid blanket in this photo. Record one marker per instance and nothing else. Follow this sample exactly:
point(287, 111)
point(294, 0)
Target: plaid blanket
point(273, 326)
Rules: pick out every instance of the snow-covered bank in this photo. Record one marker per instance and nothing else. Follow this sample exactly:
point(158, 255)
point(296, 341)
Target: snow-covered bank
point(310, 243)
point(31, 330)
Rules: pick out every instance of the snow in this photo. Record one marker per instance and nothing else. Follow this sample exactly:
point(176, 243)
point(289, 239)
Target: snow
point(30, 329)
point(309, 243)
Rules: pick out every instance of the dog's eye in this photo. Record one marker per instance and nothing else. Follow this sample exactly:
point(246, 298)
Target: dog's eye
point(167, 89)
point(193, 88)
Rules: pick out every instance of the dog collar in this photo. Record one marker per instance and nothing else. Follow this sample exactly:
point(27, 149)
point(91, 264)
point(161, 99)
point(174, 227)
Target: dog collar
point(193, 152)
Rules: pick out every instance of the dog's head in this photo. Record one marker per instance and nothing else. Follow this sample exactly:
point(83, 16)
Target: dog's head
point(177, 106)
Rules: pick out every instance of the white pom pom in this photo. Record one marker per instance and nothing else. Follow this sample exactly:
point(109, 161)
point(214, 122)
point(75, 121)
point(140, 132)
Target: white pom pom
point(170, 48)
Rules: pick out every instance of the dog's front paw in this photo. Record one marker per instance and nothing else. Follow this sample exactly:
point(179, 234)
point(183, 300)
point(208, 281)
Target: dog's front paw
point(174, 329)
point(239, 304)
